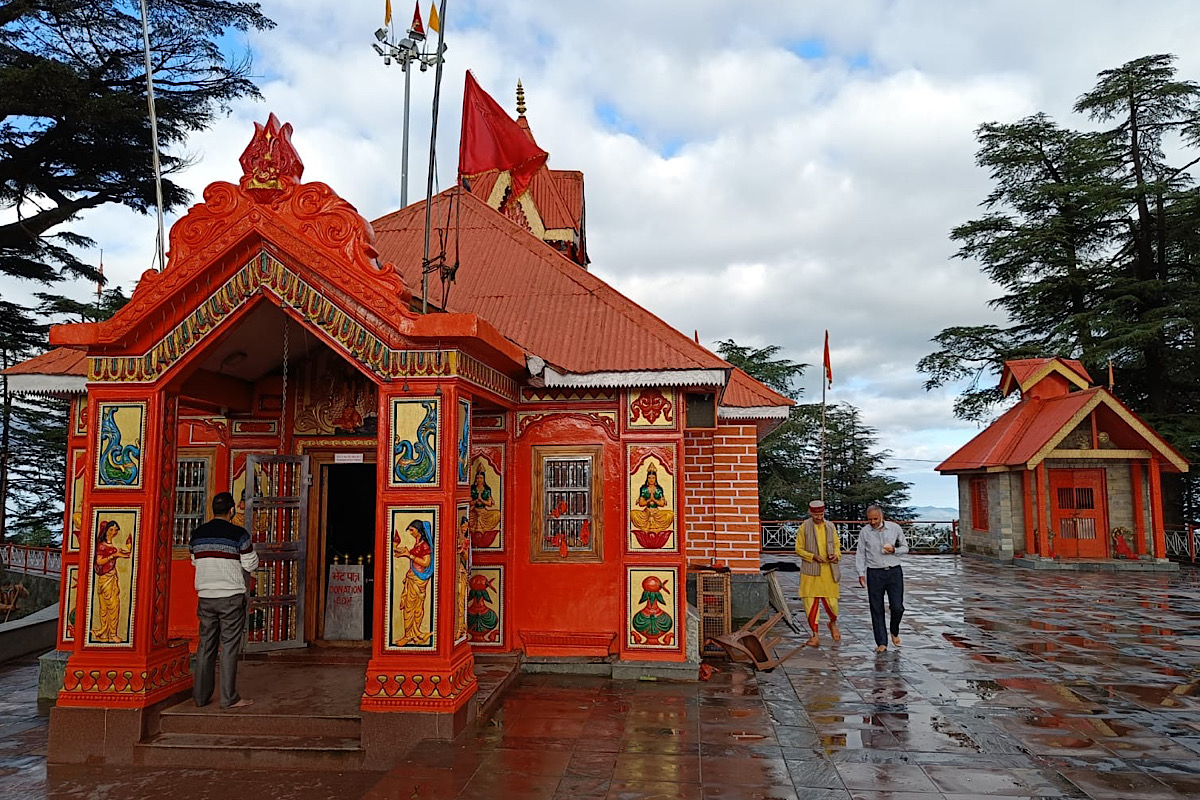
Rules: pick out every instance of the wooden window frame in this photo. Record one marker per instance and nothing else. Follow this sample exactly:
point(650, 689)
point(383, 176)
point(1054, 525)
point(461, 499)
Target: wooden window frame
point(979, 504)
point(538, 552)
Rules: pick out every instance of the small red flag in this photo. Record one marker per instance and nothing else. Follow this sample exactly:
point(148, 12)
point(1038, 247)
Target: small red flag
point(417, 29)
point(491, 140)
point(828, 367)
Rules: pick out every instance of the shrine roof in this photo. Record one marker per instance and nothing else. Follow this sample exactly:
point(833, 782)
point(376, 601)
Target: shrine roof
point(585, 331)
point(1023, 373)
point(62, 370)
point(744, 394)
point(1028, 432)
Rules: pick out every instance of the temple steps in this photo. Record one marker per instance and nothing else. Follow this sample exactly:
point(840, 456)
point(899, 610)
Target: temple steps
point(218, 751)
point(240, 723)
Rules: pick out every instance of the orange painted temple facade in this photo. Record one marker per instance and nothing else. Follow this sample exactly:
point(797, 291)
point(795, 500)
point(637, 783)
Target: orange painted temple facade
point(561, 453)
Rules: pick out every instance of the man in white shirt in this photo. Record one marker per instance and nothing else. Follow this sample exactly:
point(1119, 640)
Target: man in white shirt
point(880, 545)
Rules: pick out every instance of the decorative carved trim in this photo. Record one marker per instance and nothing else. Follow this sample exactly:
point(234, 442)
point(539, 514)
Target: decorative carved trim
point(475, 371)
point(114, 684)
point(652, 403)
point(607, 420)
point(255, 427)
point(420, 690)
point(546, 395)
point(488, 422)
point(563, 639)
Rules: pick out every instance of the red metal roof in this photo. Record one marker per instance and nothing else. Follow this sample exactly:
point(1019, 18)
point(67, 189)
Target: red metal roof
point(1022, 372)
point(535, 296)
point(742, 391)
point(1020, 434)
point(59, 361)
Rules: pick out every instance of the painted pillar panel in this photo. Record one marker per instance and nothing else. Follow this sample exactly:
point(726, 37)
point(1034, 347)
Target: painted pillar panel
point(76, 478)
point(420, 657)
point(121, 657)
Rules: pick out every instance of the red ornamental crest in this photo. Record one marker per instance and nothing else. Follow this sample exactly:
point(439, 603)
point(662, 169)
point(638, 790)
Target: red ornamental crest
point(270, 162)
point(650, 405)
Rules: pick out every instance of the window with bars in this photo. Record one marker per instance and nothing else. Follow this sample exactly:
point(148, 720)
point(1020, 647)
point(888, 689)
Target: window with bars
point(191, 498)
point(567, 507)
point(979, 504)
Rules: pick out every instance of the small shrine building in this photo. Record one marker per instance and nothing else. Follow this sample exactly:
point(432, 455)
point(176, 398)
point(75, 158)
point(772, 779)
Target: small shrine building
point(561, 452)
point(1067, 478)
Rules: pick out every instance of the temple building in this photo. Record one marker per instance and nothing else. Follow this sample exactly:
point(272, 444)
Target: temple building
point(517, 460)
point(1067, 478)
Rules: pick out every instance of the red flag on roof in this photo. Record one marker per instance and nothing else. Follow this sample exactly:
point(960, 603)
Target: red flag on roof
point(828, 366)
point(417, 29)
point(491, 140)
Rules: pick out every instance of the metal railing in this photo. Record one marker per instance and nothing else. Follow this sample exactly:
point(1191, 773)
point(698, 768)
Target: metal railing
point(924, 537)
point(32, 560)
point(1183, 542)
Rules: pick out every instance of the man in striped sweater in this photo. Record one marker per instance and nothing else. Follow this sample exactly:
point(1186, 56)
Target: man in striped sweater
point(222, 554)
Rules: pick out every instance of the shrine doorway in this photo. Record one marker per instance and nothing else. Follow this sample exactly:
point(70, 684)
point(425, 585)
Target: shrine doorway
point(1077, 513)
point(346, 484)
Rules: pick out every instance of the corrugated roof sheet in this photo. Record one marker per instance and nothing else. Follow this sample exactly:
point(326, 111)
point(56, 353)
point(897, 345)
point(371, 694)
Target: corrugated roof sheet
point(1024, 430)
point(59, 361)
point(742, 391)
point(535, 296)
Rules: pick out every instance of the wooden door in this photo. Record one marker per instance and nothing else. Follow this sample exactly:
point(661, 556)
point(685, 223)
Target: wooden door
point(277, 516)
point(1077, 513)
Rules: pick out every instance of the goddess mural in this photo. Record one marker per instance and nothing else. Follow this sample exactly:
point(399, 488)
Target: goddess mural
point(651, 513)
point(108, 582)
point(416, 581)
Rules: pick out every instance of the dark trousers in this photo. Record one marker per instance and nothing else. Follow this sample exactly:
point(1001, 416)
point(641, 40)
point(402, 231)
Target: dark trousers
point(222, 622)
point(890, 581)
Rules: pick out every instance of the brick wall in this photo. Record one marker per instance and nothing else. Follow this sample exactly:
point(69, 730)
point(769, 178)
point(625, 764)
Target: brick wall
point(721, 470)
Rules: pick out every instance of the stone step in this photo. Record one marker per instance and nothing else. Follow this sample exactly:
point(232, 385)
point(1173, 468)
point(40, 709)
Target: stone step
point(207, 751)
point(242, 723)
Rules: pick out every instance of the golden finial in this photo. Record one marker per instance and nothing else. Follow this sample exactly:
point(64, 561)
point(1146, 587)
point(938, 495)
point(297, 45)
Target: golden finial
point(520, 99)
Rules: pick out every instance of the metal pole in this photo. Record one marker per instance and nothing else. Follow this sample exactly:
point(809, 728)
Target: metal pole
point(162, 257)
point(437, 93)
point(822, 438)
point(407, 65)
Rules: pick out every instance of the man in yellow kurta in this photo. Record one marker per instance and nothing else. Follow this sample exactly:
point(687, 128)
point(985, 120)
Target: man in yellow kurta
point(820, 551)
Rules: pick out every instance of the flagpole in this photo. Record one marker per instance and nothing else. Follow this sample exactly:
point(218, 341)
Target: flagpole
point(823, 382)
point(437, 92)
point(158, 193)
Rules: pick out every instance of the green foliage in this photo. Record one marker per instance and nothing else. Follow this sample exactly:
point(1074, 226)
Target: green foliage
point(75, 133)
point(789, 458)
point(1094, 238)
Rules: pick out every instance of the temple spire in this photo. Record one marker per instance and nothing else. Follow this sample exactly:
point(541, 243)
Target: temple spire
point(520, 99)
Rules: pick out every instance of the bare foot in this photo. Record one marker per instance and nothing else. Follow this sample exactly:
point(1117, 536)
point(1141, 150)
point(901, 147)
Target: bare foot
point(243, 703)
point(896, 641)
point(813, 642)
point(835, 632)
point(881, 649)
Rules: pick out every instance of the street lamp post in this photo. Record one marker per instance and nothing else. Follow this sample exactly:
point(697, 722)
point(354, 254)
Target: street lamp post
point(405, 53)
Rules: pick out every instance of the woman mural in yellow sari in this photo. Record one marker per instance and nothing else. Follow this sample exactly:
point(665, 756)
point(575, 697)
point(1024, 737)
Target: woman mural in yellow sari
point(651, 513)
point(107, 582)
point(462, 574)
point(416, 581)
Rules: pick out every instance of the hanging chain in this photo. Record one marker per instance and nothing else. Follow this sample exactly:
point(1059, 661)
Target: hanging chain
point(283, 401)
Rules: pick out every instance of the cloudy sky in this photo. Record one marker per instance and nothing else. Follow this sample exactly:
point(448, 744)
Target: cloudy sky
point(759, 170)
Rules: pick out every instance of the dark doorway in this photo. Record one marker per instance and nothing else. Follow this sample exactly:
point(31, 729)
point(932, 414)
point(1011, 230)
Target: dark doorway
point(350, 531)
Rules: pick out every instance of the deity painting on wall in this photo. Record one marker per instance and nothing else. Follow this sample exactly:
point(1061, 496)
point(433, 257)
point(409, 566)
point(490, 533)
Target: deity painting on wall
point(113, 575)
point(652, 518)
point(464, 442)
point(462, 572)
point(411, 589)
point(486, 519)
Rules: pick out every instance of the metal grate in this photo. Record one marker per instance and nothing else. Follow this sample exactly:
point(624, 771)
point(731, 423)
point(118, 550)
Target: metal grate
point(714, 600)
point(191, 498)
point(568, 509)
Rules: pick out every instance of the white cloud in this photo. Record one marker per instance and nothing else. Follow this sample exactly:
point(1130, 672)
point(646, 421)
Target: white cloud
point(760, 171)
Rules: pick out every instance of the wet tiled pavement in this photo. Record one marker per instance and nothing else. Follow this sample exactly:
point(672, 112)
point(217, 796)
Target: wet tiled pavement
point(1008, 684)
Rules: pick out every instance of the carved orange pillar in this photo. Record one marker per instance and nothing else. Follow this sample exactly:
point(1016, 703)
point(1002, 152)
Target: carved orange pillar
point(122, 661)
point(1027, 496)
point(1156, 509)
point(1139, 508)
point(420, 659)
point(1042, 506)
